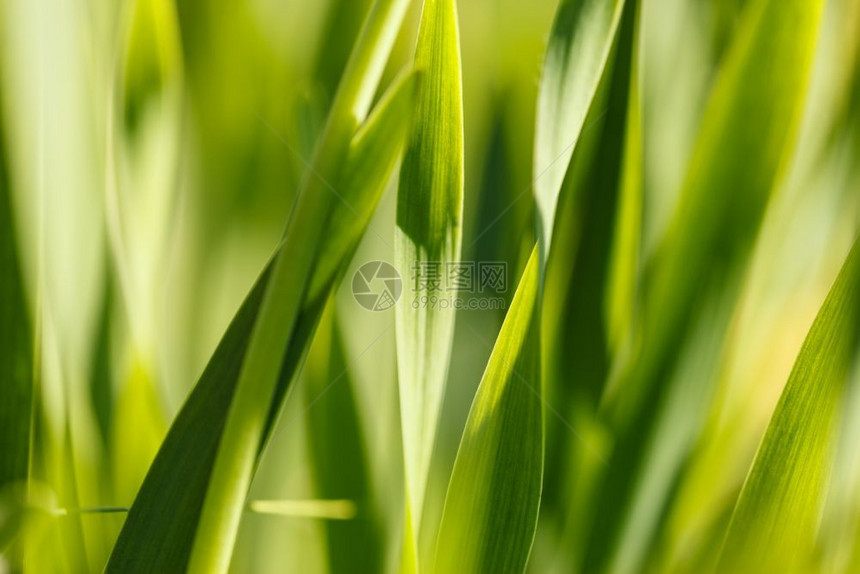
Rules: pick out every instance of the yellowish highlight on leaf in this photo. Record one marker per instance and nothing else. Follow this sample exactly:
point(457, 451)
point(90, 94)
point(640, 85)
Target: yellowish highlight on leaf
point(776, 519)
point(323, 509)
point(492, 502)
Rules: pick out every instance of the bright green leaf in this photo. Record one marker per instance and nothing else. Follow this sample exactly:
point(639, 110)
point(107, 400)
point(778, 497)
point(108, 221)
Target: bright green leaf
point(491, 508)
point(623, 278)
point(747, 135)
point(343, 24)
point(593, 271)
point(371, 157)
point(429, 220)
point(590, 291)
point(282, 301)
point(162, 523)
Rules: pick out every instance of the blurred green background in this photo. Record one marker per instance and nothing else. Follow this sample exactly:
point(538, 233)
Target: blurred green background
point(151, 151)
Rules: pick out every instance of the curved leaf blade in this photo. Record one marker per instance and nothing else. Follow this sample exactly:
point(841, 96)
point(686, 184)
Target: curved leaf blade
point(491, 508)
point(161, 524)
point(746, 139)
point(591, 287)
point(284, 296)
point(692, 283)
point(579, 46)
point(777, 514)
point(371, 157)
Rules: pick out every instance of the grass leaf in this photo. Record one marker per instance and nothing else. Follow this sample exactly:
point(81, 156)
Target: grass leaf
point(330, 509)
point(16, 359)
point(427, 241)
point(492, 503)
point(776, 518)
point(162, 522)
point(578, 49)
point(593, 272)
point(491, 508)
point(370, 159)
point(692, 282)
point(245, 427)
point(624, 259)
point(753, 114)
point(590, 290)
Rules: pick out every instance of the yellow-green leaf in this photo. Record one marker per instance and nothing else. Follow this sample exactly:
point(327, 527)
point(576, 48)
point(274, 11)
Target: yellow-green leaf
point(163, 521)
point(370, 159)
point(691, 284)
point(283, 297)
point(776, 518)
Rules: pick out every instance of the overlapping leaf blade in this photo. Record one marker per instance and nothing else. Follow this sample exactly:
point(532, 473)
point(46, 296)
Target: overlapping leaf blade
point(427, 243)
point(284, 295)
point(590, 292)
point(342, 26)
point(624, 259)
point(492, 503)
point(592, 273)
point(491, 508)
point(161, 525)
point(776, 518)
point(753, 114)
point(692, 282)
point(579, 46)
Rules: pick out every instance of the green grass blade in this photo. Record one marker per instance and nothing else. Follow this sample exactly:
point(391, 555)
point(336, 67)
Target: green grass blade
point(592, 278)
point(776, 518)
point(491, 508)
point(578, 49)
point(429, 219)
point(624, 259)
point(324, 509)
point(16, 358)
point(159, 530)
point(747, 137)
point(342, 26)
point(691, 285)
point(593, 273)
point(162, 522)
point(370, 159)
point(245, 427)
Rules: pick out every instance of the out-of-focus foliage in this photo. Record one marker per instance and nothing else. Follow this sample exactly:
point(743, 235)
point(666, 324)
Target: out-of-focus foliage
point(662, 378)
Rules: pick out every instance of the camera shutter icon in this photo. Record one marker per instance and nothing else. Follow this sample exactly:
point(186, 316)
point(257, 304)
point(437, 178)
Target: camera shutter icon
point(376, 286)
